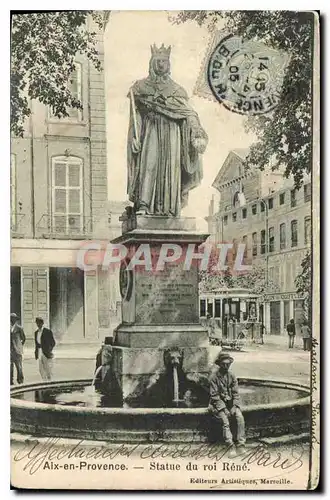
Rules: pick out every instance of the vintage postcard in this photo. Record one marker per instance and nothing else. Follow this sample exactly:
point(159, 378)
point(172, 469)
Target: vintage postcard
point(164, 322)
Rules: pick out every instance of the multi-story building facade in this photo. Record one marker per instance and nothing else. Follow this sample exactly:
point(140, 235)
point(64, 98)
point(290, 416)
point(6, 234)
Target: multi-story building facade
point(264, 211)
point(58, 201)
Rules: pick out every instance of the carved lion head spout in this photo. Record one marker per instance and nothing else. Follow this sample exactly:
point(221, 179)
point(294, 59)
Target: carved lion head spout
point(106, 351)
point(160, 66)
point(173, 357)
point(106, 358)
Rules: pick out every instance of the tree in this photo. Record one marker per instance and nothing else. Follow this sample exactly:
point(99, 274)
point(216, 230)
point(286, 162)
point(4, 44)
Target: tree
point(284, 136)
point(253, 280)
point(303, 283)
point(43, 50)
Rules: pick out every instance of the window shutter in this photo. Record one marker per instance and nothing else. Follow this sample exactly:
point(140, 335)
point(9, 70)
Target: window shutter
point(60, 174)
point(74, 201)
point(60, 201)
point(75, 86)
point(42, 279)
point(74, 83)
point(74, 175)
point(35, 289)
point(67, 195)
point(60, 223)
point(27, 302)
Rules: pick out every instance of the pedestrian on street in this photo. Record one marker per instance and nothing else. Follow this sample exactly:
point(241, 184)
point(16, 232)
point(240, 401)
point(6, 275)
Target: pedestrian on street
point(17, 340)
point(225, 404)
point(291, 329)
point(262, 333)
point(44, 345)
point(306, 335)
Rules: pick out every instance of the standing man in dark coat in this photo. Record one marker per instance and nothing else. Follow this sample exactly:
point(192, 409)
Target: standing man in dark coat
point(44, 345)
point(17, 340)
point(291, 329)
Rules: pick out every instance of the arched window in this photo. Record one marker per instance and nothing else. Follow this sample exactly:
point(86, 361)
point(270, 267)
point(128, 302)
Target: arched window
point(67, 194)
point(236, 199)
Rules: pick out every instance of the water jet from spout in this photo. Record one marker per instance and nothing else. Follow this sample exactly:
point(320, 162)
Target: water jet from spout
point(97, 371)
point(175, 385)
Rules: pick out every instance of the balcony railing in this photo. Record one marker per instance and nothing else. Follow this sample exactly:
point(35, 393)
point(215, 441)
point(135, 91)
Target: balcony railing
point(16, 224)
point(65, 226)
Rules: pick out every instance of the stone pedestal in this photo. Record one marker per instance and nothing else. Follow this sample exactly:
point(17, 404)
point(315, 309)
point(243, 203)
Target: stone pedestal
point(138, 369)
point(160, 308)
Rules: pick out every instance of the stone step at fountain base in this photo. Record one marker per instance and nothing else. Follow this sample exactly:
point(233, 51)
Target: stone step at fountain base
point(132, 437)
point(30, 439)
point(303, 437)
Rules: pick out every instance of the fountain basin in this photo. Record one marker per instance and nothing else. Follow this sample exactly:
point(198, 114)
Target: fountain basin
point(271, 409)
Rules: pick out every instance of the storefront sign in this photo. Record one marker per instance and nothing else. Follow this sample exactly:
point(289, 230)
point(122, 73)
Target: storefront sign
point(282, 296)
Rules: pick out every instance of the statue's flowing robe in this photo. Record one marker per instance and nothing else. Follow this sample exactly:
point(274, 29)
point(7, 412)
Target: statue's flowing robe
point(168, 166)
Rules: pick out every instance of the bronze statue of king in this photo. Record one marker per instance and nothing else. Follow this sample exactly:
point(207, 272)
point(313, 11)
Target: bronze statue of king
point(165, 141)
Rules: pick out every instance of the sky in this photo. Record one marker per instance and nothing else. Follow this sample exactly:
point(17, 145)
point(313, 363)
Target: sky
point(127, 53)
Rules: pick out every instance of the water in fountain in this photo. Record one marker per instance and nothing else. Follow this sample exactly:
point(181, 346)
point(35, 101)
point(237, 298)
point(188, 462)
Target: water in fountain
point(175, 385)
point(77, 394)
point(97, 371)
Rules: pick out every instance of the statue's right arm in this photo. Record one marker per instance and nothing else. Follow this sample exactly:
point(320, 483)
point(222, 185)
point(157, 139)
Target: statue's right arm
point(134, 131)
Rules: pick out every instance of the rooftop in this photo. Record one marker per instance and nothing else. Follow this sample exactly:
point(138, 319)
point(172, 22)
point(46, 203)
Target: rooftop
point(241, 152)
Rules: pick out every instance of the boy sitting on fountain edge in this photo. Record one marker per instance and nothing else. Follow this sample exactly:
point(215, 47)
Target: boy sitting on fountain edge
point(224, 402)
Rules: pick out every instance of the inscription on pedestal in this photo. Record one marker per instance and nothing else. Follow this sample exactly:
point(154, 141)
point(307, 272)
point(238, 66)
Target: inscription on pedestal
point(168, 297)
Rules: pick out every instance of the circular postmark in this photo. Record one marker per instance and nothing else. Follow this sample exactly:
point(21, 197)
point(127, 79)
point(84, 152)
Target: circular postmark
point(246, 76)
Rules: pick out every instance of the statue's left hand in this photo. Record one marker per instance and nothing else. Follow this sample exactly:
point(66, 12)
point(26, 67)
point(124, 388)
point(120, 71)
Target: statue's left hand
point(199, 143)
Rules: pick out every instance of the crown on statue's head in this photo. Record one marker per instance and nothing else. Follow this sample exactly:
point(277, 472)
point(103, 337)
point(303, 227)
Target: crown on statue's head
point(162, 51)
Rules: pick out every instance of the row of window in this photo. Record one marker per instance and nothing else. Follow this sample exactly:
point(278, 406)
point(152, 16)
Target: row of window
point(283, 237)
point(270, 203)
point(284, 276)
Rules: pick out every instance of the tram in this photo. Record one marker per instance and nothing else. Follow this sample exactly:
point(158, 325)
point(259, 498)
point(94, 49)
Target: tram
point(233, 316)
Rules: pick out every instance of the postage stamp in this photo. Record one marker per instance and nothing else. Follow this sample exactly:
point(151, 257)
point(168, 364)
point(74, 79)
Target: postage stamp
point(164, 306)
